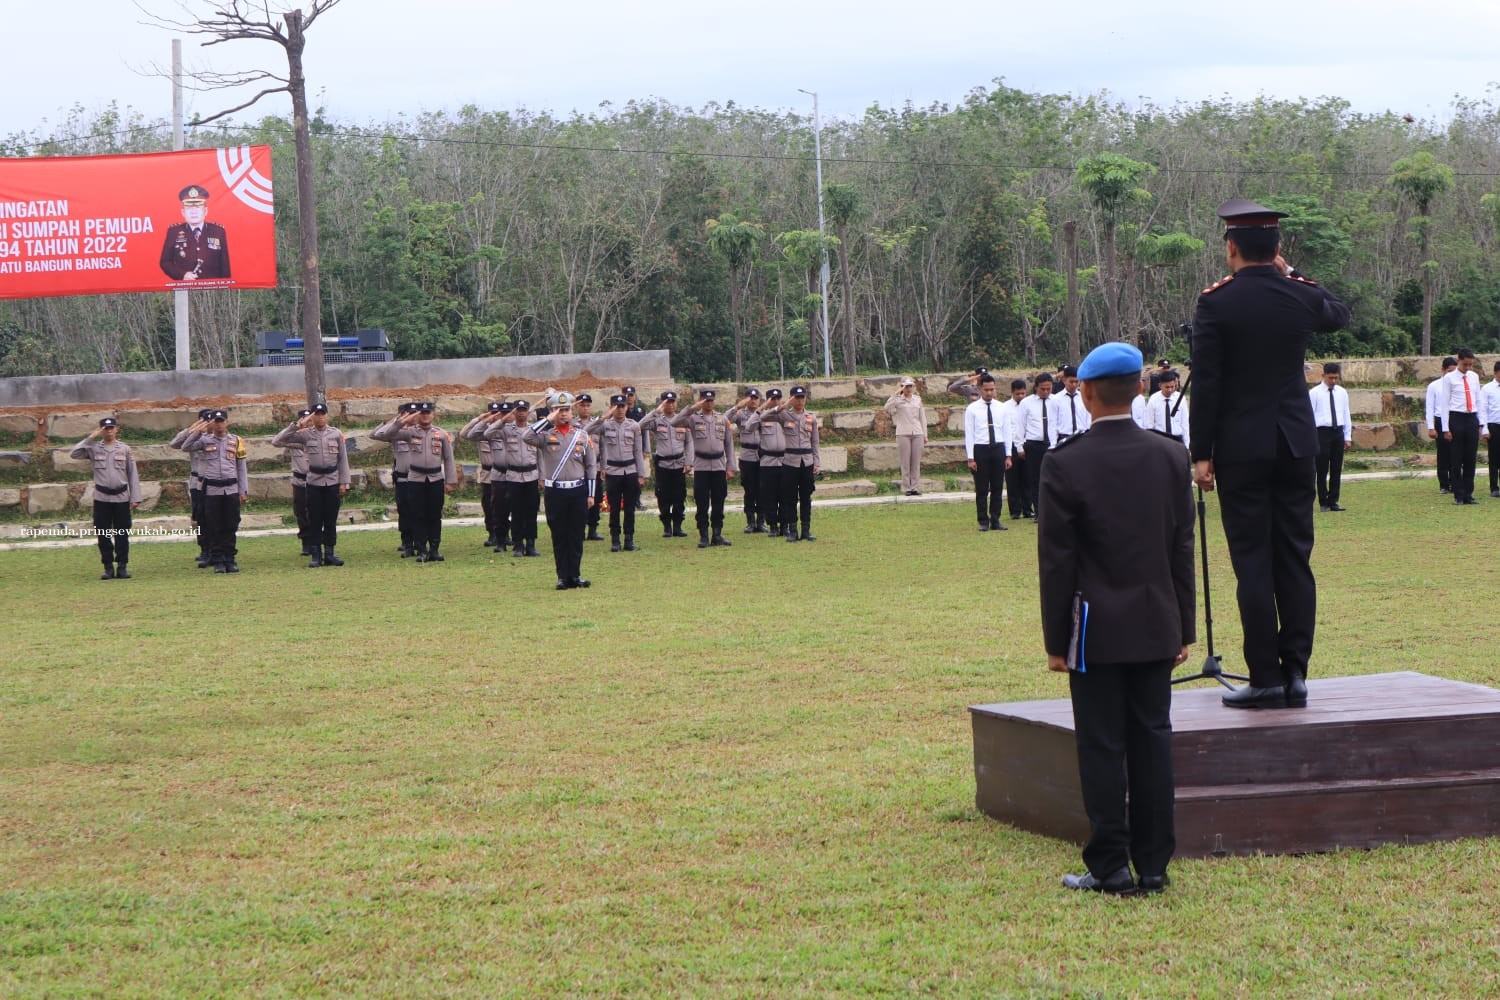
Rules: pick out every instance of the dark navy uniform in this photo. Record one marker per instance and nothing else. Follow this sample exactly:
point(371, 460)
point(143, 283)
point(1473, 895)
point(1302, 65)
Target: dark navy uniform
point(1117, 599)
point(1251, 418)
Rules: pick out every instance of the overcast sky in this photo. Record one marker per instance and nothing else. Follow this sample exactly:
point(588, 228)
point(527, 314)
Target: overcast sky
point(369, 60)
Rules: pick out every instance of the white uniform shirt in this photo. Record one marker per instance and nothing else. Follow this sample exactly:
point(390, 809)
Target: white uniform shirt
point(1319, 397)
point(1165, 415)
point(1138, 412)
point(977, 418)
point(1489, 405)
point(1453, 398)
point(1031, 420)
point(1017, 441)
point(1070, 415)
point(1435, 408)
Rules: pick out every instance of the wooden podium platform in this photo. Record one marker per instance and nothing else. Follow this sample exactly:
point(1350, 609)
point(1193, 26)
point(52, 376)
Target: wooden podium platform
point(1387, 758)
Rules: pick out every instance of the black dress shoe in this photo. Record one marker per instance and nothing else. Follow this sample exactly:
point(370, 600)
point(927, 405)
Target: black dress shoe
point(1120, 883)
point(1470, 501)
point(579, 581)
point(231, 567)
point(121, 573)
point(1323, 508)
point(984, 526)
point(1150, 885)
point(564, 585)
point(109, 572)
point(1296, 691)
point(995, 525)
point(1495, 494)
point(1256, 697)
point(1334, 507)
point(1444, 489)
point(219, 568)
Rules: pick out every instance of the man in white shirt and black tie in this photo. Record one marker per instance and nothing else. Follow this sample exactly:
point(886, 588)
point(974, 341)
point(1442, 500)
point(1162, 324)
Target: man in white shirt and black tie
point(1330, 404)
point(1015, 473)
point(1437, 422)
point(1461, 401)
point(987, 444)
point(1166, 412)
point(1489, 426)
point(1038, 433)
point(1071, 415)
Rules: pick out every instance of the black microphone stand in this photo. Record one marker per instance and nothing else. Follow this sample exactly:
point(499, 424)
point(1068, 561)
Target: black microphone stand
point(1213, 664)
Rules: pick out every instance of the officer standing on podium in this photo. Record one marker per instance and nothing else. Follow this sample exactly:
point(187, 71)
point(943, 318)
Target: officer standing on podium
point(1253, 438)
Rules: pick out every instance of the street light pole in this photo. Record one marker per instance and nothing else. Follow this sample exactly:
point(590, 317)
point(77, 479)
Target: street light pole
point(822, 230)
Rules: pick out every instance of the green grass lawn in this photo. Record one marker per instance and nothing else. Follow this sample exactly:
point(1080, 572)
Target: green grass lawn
point(734, 772)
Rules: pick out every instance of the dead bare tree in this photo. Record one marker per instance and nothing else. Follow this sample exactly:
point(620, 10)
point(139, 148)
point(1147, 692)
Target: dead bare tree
point(233, 20)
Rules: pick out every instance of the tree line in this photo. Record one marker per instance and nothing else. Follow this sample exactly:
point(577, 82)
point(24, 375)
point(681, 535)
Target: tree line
point(1013, 228)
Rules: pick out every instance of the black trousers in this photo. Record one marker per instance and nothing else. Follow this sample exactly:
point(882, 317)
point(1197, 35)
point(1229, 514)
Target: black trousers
point(1444, 455)
point(195, 498)
point(1494, 444)
point(112, 529)
point(989, 479)
point(487, 505)
point(623, 492)
point(671, 495)
point(750, 480)
point(1330, 464)
point(1465, 429)
point(797, 486)
point(403, 509)
point(299, 511)
point(1122, 718)
point(427, 515)
point(1266, 508)
point(500, 503)
point(594, 513)
point(709, 490)
point(323, 503)
point(221, 523)
point(1015, 490)
point(1035, 452)
point(525, 501)
point(770, 495)
point(567, 513)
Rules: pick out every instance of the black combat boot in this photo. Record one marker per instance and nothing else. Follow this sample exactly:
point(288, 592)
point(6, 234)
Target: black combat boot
point(121, 573)
point(433, 555)
point(490, 541)
point(718, 538)
point(317, 559)
point(520, 549)
point(329, 559)
point(614, 542)
point(702, 538)
point(531, 548)
point(629, 543)
point(807, 535)
point(791, 533)
point(677, 531)
point(109, 572)
point(666, 527)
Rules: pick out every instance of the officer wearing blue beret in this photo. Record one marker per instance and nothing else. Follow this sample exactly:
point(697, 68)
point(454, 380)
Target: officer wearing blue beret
point(1115, 532)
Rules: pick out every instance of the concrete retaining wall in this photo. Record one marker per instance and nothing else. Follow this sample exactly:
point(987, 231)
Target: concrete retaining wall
point(67, 390)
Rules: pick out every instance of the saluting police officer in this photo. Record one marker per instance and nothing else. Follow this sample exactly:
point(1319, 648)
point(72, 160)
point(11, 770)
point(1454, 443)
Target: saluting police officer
point(800, 465)
point(474, 431)
point(634, 411)
point(432, 475)
point(623, 460)
point(583, 416)
point(400, 470)
point(117, 492)
point(226, 485)
point(672, 453)
point(712, 466)
point(195, 481)
point(297, 459)
point(749, 435)
point(771, 450)
point(522, 482)
point(489, 429)
point(326, 455)
point(569, 465)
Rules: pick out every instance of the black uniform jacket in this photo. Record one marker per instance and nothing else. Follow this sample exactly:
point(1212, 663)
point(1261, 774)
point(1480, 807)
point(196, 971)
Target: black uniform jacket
point(1250, 337)
point(1115, 525)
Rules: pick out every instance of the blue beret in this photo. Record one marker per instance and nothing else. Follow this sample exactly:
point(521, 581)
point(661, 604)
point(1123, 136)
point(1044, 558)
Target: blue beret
point(1111, 360)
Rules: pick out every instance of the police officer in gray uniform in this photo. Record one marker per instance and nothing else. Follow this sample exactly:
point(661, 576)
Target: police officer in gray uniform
point(400, 469)
point(521, 481)
point(771, 451)
point(432, 474)
point(623, 460)
point(713, 464)
point(569, 465)
point(226, 485)
point(739, 415)
point(326, 455)
point(800, 466)
point(672, 453)
point(195, 481)
point(474, 431)
point(297, 459)
point(117, 492)
point(583, 416)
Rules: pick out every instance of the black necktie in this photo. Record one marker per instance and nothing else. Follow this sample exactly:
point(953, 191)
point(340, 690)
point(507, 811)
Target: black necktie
point(1166, 412)
point(1046, 438)
point(1073, 409)
point(990, 416)
point(1333, 416)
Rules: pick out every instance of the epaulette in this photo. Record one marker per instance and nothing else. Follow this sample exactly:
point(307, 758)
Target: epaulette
point(1305, 281)
point(1166, 434)
point(1218, 284)
point(1067, 441)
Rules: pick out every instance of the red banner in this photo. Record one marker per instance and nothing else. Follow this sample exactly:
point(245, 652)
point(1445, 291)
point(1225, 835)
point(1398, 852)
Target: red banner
point(148, 222)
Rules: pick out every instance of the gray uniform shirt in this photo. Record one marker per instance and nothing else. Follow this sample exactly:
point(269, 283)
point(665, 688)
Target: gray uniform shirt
point(772, 451)
point(400, 450)
point(671, 445)
point(474, 431)
point(713, 442)
point(564, 457)
point(430, 451)
point(964, 388)
point(324, 453)
point(115, 479)
point(801, 431)
point(507, 445)
point(194, 480)
point(222, 465)
point(620, 450)
point(748, 433)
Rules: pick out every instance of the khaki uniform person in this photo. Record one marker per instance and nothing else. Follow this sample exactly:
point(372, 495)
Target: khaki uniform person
point(739, 415)
point(569, 464)
point(672, 453)
point(117, 492)
point(521, 483)
point(713, 464)
point(226, 485)
point(327, 456)
point(799, 468)
point(910, 418)
point(195, 481)
point(771, 452)
point(432, 475)
point(488, 486)
point(297, 459)
point(623, 460)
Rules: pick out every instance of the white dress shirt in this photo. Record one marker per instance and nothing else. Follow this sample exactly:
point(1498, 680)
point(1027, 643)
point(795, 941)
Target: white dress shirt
point(977, 422)
point(1017, 442)
point(1453, 398)
point(1070, 415)
point(1489, 405)
point(1138, 412)
point(1435, 409)
point(1163, 414)
point(1031, 420)
point(1336, 415)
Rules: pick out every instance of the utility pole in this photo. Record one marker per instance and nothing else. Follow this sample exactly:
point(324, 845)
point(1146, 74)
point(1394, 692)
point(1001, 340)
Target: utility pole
point(179, 297)
point(822, 231)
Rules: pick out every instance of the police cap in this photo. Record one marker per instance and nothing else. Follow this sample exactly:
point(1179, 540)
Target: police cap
point(320, 408)
point(425, 407)
point(504, 407)
point(495, 407)
point(1239, 213)
point(669, 396)
point(584, 397)
point(219, 415)
point(618, 399)
point(707, 394)
point(193, 195)
point(109, 422)
point(752, 393)
point(773, 393)
point(799, 391)
point(304, 412)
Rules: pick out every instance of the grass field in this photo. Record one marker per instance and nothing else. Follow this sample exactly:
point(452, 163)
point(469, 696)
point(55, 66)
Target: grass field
point(737, 772)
